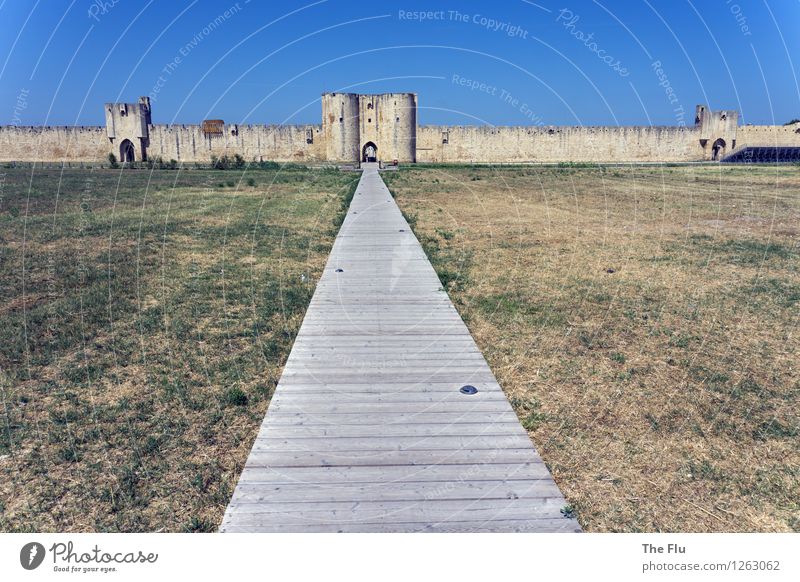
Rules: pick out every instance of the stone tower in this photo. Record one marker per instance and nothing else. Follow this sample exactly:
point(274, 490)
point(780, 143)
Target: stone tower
point(340, 126)
point(360, 127)
point(717, 131)
point(127, 128)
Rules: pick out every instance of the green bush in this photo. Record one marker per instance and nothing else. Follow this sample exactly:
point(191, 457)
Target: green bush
point(220, 162)
point(267, 165)
point(158, 163)
point(237, 162)
point(235, 397)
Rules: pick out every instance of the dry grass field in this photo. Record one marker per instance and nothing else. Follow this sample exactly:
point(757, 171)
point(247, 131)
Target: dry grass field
point(643, 322)
point(144, 320)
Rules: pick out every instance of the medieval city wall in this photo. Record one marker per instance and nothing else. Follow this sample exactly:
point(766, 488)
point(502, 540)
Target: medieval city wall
point(768, 135)
point(387, 123)
point(53, 143)
point(557, 144)
point(187, 143)
point(280, 143)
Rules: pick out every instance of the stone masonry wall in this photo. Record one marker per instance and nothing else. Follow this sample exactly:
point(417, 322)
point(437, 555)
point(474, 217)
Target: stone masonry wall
point(768, 135)
point(53, 143)
point(389, 121)
point(281, 143)
point(557, 144)
point(307, 143)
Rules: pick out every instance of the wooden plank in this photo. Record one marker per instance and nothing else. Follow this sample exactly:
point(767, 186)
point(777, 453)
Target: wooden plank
point(281, 458)
point(426, 511)
point(328, 407)
point(398, 474)
point(392, 443)
point(546, 525)
point(297, 419)
point(410, 491)
point(375, 387)
point(389, 430)
point(457, 377)
point(367, 430)
point(348, 398)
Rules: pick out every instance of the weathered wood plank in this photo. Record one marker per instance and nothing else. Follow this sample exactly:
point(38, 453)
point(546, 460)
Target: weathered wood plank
point(410, 491)
point(425, 511)
point(297, 419)
point(380, 387)
point(546, 525)
point(347, 398)
point(288, 458)
point(390, 430)
point(392, 443)
point(396, 473)
point(333, 407)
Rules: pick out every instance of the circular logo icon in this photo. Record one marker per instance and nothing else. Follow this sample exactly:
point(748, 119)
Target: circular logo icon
point(31, 555)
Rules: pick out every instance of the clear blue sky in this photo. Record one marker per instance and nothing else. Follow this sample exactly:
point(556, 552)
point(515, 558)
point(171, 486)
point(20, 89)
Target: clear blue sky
point(268, 62)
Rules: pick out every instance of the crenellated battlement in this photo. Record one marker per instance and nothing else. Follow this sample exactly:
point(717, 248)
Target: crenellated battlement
point(358, 127)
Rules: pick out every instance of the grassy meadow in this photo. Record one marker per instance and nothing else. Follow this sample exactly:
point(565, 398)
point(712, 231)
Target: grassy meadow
point(643, 321)
point(144, 320)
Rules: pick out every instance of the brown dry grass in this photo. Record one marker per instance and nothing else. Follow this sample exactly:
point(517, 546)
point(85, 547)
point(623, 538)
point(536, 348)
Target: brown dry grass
point(643, 322)
point(145, 320)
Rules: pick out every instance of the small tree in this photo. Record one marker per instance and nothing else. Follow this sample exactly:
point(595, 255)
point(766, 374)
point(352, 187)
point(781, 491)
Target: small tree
point(220, 163)
point(112, 159)
point(155, 163)
point(269, 165)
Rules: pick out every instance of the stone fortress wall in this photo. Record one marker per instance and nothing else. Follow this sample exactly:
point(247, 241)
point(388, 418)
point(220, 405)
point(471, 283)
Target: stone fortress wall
point(354, 124)
point(768, 135)
point(556, 144)
point(188, 143)
point(53, 143)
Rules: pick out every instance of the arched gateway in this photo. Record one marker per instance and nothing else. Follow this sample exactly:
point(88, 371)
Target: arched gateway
point(369, 153)
point(127, 153)
point(718, 150)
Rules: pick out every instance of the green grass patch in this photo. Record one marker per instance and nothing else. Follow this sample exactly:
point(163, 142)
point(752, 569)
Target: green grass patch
point(158, 310)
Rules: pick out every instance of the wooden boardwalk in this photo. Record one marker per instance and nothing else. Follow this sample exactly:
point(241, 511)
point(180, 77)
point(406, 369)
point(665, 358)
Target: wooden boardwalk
point(368, 430)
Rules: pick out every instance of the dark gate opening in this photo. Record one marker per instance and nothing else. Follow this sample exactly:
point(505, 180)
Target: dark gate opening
point(369, 153)
point(718, 149)
point(127, 153)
